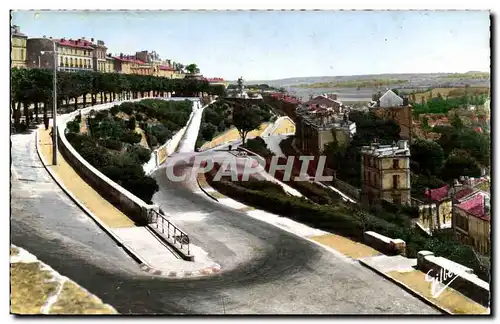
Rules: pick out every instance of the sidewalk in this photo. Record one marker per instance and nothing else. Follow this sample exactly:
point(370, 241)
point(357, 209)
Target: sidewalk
point(402, 271)
point(153, 254)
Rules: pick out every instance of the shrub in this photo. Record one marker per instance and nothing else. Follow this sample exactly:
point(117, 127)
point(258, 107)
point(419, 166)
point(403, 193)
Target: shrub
point(161, 133)
point(111, 143)
point(127, 108)
point(152, 141)
point(131, 123)
point(80, 140)
point(96, 155)
point(130, 137)
point(139, 117)
point(139, 153)
point(73, 126)
point(114, 110)
point(259, 146)
point(101, 115)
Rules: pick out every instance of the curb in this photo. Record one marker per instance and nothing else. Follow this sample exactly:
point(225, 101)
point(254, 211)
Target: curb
point(204, 188)
point(211, 270)
point(119, 242)
point(408, 289)
point(143, 265)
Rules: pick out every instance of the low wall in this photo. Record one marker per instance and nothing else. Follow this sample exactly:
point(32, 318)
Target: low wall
point(384, 244)
point(124, 200)
point(347, 188)
point(128, 203)
point(466, 282)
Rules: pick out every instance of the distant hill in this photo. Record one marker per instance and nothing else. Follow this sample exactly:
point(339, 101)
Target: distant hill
point(474, 78)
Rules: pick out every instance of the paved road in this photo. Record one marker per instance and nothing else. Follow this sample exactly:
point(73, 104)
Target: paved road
point(268, 270)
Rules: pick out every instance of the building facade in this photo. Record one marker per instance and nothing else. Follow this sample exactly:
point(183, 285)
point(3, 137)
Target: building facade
point(72, 55)
point(18, 43)
point(393, 107)
point(317, 126)
point(99, 56)
point(385, 173)
point(471, 222)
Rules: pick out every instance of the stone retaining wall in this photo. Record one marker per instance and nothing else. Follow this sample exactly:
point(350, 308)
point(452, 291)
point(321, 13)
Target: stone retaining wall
point(124, 200)
point(385, 244)
point(466, 282)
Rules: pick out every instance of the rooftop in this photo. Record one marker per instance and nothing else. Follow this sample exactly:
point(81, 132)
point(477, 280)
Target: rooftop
point(437, 194)
point(79, 43)
point(475, 206)
point(401, 148)
point(129, 58)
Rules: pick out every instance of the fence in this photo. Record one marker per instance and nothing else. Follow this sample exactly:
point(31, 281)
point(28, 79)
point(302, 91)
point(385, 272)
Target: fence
point(170, 231)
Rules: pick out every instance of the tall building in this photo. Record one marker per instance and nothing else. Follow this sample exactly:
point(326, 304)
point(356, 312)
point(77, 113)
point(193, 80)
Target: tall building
point(385, 173)
point(99, 55)
point(17, 47)
point(391, 106)
point(72, 55)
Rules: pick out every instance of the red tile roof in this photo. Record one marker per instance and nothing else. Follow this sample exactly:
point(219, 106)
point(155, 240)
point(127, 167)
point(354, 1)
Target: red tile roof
point(130, 59)
point(214, 79)
point(165, 68)
point(437, 194)
point(463, 193)
point(80, 43)
point(475, 207)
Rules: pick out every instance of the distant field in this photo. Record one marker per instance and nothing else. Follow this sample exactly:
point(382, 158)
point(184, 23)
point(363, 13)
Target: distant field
point(450, 92)
point(467, 76)
point(353, 84)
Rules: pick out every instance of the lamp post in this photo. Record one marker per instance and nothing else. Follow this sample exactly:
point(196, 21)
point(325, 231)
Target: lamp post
point(54, 108)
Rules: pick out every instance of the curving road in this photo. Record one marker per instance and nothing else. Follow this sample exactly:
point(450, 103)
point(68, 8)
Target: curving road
point(267, 270)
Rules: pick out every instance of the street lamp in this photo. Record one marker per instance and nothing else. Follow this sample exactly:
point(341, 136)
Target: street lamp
point(54, 108)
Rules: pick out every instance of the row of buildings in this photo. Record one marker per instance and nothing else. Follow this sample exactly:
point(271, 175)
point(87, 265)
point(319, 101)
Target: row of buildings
point(324, 119)
point(88, 55)
point(464, 208)
point(385, 169)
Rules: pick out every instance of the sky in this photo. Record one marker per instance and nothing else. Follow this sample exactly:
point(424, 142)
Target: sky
point(269, 45)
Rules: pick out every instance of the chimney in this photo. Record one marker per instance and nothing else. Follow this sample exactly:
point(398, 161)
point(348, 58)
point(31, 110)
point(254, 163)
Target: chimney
point(92, 39)
point(403, 144)
point(405, 101)
point(121, 55)
point(487, 205)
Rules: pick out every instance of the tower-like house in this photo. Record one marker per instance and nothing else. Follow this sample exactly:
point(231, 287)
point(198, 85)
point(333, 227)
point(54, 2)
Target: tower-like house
point(385, 173)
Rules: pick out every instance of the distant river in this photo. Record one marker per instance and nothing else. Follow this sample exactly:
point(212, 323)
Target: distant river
point(344, 94)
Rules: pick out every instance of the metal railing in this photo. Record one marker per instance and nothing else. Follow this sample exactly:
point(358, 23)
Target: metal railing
point(168, 229)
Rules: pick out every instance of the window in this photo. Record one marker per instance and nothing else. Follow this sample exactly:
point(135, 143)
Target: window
point(65, 61)
point(71, 62)
point(395, 180)
point(81, 63)
point(395, 164)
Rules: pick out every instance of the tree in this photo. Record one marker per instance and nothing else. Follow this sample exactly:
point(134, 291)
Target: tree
point(460, 163)
point(428, 155)
point(193, 68)
point(246, 118)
